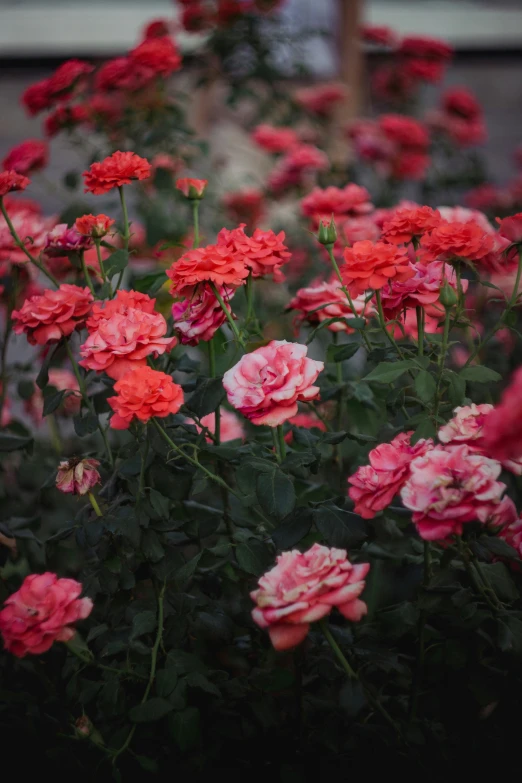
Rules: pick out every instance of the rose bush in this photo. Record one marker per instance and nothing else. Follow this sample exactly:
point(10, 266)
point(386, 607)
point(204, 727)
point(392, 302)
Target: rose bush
point(260, 466)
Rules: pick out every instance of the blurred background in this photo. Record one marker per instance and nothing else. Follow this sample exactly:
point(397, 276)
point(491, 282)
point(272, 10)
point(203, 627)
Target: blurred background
point(36, 35)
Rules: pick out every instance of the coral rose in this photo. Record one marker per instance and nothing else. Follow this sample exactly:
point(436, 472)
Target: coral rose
point(303, 587)
point(118, 169)
point(11, 181)
point(77, 476)
point(123, 338)
point(95, 226)
point(42, 612)
point(266, 385)
point(263, 253)
point(324, 300)
point(421, 290)
point(373, 264)
point(48, 317)
point(450, 486)
point(453, 240)
point(200, 316)
point(503, 426)
point(31, 155)
point(350, 201)
point(192, 188)
point(408, 224)
point(511, 228)
point(374, 486)
point(217, 264)
point(142, 394)
point(123, 302)
point(230, 427)
point(274, 139)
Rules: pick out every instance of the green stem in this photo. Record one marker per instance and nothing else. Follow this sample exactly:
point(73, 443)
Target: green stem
point(94, 504)
point(13, 293)
point(514, 295)
point(92, 662)
point(126, 230)
point(346, 293)
point(464, 553)
point(195, 216)
point(23, 248)
point(191, 460)
point(152, 675)
point(275, 440)
point(282, 444)
point(442, 359)
point(323, 624)
point(55, 433)
point(100, 259)
point(144, 455)
point(420, 329)
point(228, 314)
point(88, 401)
point(382, 324)
point(249, 292)
point(86, 273)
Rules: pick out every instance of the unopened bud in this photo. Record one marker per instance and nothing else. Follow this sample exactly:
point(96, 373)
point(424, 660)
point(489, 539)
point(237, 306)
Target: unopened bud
point(192, 188)
point(448, 296)
point(83, 727)
point(327, 234)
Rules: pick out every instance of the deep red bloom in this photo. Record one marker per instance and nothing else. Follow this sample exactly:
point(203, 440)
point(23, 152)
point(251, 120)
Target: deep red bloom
point(378, 34)
point(228, 11)
point(37, 97)
point(158, 56)
point(156, 29)
point(462, 102)
point(511, 227)
point(407, 132)
point(11, 181)
point(65, 117)
point(28, 156)
point(195, 18)
point(68, 76)
point(118, 169)
point(423, 47)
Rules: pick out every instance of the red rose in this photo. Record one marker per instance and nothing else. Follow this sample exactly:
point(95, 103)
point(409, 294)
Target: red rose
point(143, 394)
point(372, 264)
point(31, 155)
point(118, 169)
point(11, 181)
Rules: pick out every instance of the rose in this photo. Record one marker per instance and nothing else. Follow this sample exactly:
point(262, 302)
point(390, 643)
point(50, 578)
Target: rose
point(372, 264)
point(266, 384)
point(200, 316)
point(304, 587)
point(41, 612)
point(192, 188)
point(77, 476)
point(54, 314)
point(142, 394)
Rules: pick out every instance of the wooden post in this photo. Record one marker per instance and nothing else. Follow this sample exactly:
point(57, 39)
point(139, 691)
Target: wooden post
point(350, 59)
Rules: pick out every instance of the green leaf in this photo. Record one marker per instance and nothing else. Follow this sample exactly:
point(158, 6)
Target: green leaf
point(198, 680)
point(387, 372)
point(426, 429)
point(151, 546)
point(338, 527)
point(500, 579)
point(207, 396)
point(456, 387)
point(25, 390)
point(71, 180)
point(425, 385)
point(42, 379)
point(159, 503)
point(152, 710)
point(85, 425)
point(293, 529)
point(253, 556)
point(184, 727)
point(480, 374)
point(142, 623)
point(340, 353)
point(13, 442)
point(150, 284)
point(499, 547)
point(186, 571)
point(166, 681)
point(116, 262)
point(276, 494)
point(52, 402)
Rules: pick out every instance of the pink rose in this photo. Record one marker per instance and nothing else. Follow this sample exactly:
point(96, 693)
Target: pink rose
point(62, 240)
point(511, 227)
point(375, 485)
point(230, 426)
point(323, 300)
point(54, 314)
point(199, 317)
point(304, 587)
point(266, 385)
point(503, 427)
point(467, 426)
point(123, 334)
point(274, 139)
point(30, 226)
point(512, 535)
point(77, 476)
point(41, 612)
point(449, 486)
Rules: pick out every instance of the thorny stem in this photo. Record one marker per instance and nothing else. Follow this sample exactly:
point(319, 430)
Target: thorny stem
point(86, 273)
point(100, 259)
point(281, 439)
point(126, 230)
point(347, 293)
point(228, 314)
point(152, 675)
point(23, 248)
point(442, 359)
point(195, 215)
